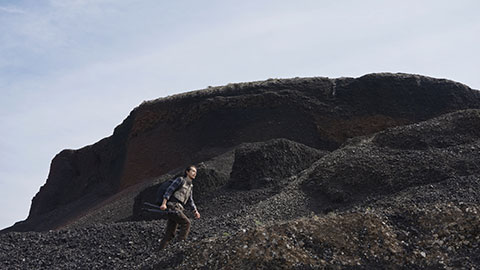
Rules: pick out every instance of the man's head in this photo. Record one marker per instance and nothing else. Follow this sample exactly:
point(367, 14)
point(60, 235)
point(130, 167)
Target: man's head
point(191, 172)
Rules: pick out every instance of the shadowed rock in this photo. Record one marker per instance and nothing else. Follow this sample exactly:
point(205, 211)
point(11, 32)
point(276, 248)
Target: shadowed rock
point(259, 165)
point(401, 157)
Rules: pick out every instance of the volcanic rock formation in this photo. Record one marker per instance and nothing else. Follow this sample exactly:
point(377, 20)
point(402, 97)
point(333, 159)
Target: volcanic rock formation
point(368, 173)
point(165, 134)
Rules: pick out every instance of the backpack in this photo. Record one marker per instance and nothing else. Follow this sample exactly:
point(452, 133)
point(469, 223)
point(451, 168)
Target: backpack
point(162, 189)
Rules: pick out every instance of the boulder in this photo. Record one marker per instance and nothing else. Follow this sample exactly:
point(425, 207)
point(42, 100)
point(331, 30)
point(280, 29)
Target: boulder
point(268, 163)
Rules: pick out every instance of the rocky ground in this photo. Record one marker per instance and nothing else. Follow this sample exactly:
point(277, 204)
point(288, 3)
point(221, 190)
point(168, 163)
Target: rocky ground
point(403, 198)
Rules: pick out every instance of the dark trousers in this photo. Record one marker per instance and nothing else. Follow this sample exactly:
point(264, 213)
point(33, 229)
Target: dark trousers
point(176, 218)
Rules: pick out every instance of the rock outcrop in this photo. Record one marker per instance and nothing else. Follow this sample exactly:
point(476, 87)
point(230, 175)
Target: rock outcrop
point(264, 164)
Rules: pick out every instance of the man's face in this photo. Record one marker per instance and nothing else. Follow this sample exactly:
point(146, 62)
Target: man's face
point(192, 173)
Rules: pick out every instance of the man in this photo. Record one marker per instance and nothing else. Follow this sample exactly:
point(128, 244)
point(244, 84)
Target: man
point(177, 195)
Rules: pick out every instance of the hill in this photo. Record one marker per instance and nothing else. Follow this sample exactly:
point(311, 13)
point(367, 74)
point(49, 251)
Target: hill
point(375, 172)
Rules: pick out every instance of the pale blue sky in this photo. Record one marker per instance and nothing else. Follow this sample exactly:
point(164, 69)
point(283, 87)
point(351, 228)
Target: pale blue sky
point(72, 70)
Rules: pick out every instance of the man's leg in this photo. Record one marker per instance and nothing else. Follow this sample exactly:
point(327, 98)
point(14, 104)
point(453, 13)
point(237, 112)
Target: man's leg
point(169, 232)
point(182, 220)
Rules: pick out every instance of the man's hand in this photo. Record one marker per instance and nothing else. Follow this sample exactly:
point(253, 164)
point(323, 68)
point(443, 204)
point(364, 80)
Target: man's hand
point(164, 205)
point(197, 214)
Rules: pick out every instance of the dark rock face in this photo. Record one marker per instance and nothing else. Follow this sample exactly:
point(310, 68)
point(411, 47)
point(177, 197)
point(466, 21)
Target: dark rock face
point(405, 96)
point(162, 135)
point(450, 130)
point(77, 181)
point(392, 160)
point(259, 165)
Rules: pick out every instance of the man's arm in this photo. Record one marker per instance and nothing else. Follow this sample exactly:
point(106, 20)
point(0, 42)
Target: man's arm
point(174, 186)
point(192, 204)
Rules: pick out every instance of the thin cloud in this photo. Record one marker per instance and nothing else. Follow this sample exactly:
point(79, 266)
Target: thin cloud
point(12, 10)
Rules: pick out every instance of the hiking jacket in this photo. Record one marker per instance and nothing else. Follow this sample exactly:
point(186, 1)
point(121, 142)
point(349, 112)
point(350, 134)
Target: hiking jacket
point(182, 189)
